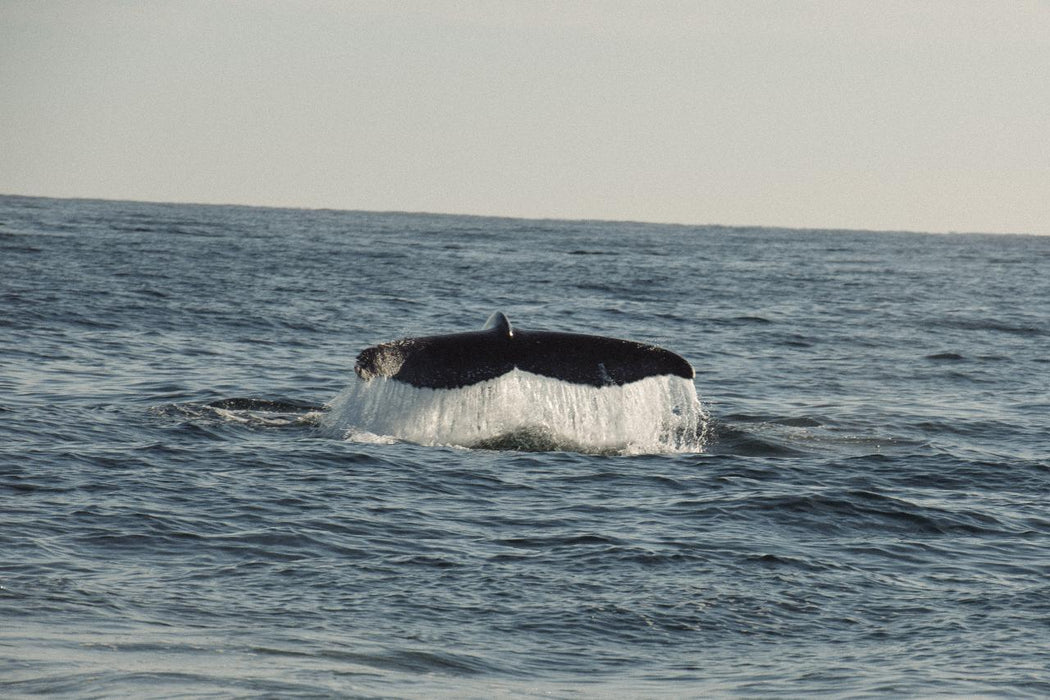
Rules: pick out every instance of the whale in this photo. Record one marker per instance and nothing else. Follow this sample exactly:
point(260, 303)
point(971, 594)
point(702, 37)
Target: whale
point(457, 360)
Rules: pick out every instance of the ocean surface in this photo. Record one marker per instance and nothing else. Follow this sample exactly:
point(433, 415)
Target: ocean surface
point(187, 508)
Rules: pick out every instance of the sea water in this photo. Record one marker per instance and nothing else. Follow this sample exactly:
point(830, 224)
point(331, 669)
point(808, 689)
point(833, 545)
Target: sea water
point(199, 498)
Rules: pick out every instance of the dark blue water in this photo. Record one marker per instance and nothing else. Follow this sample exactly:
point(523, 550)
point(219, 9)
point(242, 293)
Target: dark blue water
point(870, 515)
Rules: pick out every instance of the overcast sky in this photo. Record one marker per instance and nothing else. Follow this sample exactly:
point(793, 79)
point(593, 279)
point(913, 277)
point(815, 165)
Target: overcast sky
point(910, 115)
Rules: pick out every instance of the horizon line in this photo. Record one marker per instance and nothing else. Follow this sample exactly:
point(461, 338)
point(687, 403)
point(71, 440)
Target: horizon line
point(506, 217)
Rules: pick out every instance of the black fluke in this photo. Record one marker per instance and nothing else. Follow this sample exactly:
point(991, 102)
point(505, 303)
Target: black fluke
point(461, 359)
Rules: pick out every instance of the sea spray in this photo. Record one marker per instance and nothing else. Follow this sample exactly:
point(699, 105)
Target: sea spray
point(520, 410)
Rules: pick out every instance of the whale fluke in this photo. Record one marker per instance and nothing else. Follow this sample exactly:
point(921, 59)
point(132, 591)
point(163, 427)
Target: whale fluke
point(461, 359)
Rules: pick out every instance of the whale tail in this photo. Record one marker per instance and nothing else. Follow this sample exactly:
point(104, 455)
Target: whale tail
point(462, 359)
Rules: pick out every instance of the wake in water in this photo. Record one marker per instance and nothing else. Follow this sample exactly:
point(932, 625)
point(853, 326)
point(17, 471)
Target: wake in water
point(524, 411)
point(250, 412)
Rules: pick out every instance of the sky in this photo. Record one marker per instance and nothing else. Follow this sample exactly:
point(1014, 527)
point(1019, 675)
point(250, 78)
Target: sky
point(920, 115)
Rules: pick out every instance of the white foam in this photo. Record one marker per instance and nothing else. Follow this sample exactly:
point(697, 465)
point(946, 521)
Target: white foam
point(654, 415)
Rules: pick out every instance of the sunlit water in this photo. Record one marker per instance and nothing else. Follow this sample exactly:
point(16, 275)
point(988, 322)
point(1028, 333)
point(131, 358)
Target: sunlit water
point(200, 498)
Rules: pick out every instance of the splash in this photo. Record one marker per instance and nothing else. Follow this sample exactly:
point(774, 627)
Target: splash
point(526, 411)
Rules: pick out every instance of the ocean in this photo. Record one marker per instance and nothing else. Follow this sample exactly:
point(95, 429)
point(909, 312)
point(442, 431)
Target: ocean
point(188, 507)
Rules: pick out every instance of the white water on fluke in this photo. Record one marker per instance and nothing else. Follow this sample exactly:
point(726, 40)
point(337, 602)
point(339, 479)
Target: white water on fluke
point(525, 411)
